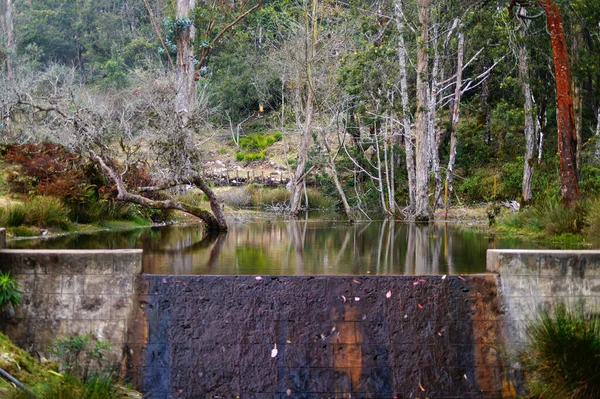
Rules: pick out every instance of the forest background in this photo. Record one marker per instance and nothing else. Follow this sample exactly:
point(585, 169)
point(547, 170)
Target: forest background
point(396, 108)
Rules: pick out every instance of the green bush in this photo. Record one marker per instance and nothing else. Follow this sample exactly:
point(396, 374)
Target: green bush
point(318, 200)
point(80, 354)
point(562, 356)
point(10, 295)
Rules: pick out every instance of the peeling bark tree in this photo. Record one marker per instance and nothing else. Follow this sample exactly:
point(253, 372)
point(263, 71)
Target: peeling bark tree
point(565, 116)
point(529, 128)
point(406, 127)
point(455, 117)
point(10, 40)
point(422, 131)
point(187, 69)
point(186, 85)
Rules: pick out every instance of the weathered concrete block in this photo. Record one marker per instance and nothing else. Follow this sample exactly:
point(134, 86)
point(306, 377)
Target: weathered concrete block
point(2, 238)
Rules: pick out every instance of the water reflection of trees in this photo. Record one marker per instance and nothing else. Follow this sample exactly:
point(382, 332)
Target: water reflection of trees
point(300, 247)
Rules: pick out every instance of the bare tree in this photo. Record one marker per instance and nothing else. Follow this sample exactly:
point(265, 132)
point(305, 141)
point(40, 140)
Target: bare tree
point(118, 130)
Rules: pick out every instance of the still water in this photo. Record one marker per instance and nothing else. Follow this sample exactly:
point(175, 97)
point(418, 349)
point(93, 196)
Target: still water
point(298, 247)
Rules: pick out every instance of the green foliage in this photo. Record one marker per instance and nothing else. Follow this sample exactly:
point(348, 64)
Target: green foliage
point(563, 354)
point(259, 141)
point(479, 187)
point(80, 354)
point(10, 295)
point(254, 146)
point(95, 386)
point(318, 200)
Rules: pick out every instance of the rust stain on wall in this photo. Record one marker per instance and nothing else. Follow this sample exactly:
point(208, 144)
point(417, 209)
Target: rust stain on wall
point(347, 351)
point(489, 339)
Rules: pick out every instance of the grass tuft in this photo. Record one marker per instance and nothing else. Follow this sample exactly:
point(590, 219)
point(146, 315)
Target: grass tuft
point(563, 354)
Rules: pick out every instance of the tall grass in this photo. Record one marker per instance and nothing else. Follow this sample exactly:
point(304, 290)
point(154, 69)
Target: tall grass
point(550, 217)
point(13, 215)
point(592, 222)
point(96, 386)
point(563, 354)
point(47, 212)
point(40, 211)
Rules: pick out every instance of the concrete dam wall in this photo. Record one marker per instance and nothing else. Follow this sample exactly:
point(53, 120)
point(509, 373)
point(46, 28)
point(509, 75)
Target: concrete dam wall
point(320, 337)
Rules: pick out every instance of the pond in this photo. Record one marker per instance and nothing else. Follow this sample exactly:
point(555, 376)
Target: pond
point(278, 246)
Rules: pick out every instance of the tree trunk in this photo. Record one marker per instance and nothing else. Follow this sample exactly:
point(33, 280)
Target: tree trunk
point(10, 40)
point(434, 138)
point(214, 223)
point(422, 136)
point(185, 99)
point(565, 118)
point(406, 127)
point(455, 118)
point(529, 127)
point(299, 176)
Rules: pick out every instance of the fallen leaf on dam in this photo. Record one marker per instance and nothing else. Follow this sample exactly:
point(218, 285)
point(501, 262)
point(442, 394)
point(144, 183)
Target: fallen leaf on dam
point(344, 299)
point(388, 294)
point(421, 387)
point(258, 278)
point(274, 351)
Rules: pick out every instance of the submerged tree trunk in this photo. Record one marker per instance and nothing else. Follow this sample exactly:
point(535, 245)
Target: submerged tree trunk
point(565, 117)
point(422, 136)
point(529, 127)
point(186, 84)
point(455, 118)
point(406, 127)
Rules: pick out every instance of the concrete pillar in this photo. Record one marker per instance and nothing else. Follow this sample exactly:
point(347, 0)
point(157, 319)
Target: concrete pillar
point(2, 238)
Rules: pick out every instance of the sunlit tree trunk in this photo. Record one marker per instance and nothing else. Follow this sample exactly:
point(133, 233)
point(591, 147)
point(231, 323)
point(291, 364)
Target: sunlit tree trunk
point(565, 116)
point(422, 135)
point(406, 127)
point(455, 118)
point(186, 84)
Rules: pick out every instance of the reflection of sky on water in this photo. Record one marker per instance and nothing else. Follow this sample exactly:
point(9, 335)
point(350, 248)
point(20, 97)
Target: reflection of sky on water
point(304, 247)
